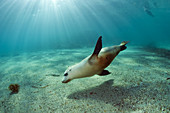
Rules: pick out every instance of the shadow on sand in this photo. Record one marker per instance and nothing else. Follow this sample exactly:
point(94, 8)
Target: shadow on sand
point(124, 98)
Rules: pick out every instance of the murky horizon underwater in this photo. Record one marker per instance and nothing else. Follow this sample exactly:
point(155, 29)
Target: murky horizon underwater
point(40, 39)
point(56, 24)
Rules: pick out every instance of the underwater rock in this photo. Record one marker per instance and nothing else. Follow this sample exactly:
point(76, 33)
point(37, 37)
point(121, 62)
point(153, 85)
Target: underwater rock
point(14, 88)
point(54, 75)
point(40, 87)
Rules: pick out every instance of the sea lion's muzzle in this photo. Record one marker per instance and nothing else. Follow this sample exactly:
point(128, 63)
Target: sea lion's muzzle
point(65, 80)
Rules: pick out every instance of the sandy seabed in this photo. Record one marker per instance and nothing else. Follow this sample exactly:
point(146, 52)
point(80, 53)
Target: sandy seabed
point(138, 83)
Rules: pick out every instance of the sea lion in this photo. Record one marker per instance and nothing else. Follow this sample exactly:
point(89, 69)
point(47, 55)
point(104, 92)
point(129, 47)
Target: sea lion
point(148, 11)
point(95, 63)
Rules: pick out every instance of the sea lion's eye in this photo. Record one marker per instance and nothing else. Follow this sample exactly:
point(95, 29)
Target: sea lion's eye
point(70, 70)
point(65, 74)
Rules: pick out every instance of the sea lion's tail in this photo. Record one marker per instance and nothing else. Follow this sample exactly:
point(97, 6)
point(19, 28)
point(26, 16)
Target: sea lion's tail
point(122, 45)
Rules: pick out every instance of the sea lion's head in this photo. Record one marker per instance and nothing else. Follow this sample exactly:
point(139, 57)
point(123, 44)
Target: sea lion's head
point(72, 72)
point(68, 75)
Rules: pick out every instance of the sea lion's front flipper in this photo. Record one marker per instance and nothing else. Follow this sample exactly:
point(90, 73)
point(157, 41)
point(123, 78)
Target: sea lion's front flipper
point(104, 72)
point(98, 46)
point(97, 49)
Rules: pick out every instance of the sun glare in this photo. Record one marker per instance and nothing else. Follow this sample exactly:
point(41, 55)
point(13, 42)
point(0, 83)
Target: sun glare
point(57, 1)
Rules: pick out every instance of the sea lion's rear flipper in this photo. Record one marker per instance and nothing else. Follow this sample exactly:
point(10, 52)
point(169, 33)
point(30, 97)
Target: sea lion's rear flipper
point(122, 45)
point(97, 49)
point(104, 72)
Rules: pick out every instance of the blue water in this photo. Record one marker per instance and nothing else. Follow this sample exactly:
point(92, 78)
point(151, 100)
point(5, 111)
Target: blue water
point(40, 39)
point(51, 24)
